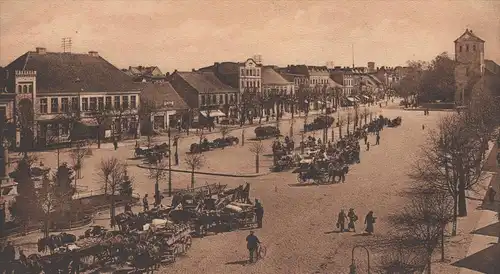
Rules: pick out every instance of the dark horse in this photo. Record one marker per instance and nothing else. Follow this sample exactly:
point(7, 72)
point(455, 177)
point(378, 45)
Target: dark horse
point(55, 241)
point(337, 174)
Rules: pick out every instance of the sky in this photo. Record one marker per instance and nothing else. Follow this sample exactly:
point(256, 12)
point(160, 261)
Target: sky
point(186, 34)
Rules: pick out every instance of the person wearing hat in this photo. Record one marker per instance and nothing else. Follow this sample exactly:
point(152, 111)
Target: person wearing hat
point(491, 194)
point(341, 221)
point(352, 219)
point(259, 213)
point(252, 244)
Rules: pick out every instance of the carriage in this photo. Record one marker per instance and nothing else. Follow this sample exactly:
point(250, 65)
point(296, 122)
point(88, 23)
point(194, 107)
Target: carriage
point(319, 123)
point(284, 162)
point(161, 150)
point(224, 142)
point(394, 122)
point(265, 132)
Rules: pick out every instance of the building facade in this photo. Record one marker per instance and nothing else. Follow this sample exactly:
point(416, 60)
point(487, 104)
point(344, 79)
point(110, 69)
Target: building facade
point(53, 90)
point(146, 74)
point(250, 77)
point(470, 64)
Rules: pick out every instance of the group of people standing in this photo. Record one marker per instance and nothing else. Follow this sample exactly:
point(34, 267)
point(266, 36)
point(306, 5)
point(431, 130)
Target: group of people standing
point(351, 218)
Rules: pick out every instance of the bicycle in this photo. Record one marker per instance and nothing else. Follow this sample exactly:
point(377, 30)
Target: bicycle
point(261, 251)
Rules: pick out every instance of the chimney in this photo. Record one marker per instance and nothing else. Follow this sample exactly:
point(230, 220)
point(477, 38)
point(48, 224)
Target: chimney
point(129, 67)
point(193, 70)
point(93, 53)
point(40, 50)
point(167, 74)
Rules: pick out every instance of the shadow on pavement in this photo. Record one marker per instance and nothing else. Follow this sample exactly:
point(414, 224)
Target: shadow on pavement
point(333, 231)
point(484, 261)
point(492, 230)
point(243, 262)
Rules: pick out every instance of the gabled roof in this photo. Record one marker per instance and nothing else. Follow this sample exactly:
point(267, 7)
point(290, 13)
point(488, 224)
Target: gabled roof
point(375, 79)
point(145, 71)
point(58, 72)
point(469, 35)
point(160, 93)
point(333, 84)
point(204, 82)
point(492, 67)
point(223, 68)
point(271, 77)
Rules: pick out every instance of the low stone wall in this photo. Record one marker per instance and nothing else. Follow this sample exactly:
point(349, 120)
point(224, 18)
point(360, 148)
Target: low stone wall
point(432, 106)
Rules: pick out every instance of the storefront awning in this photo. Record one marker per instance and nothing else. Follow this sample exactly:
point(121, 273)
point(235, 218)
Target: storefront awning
point(366, 97)
point(213, 113)
point(89, 122)
point(352, 99)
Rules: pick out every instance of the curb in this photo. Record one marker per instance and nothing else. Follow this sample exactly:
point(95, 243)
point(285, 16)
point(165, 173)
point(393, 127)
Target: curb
point(210, 173)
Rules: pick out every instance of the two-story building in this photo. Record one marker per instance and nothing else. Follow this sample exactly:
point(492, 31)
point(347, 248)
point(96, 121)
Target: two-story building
point(167, 109)
point(53, 90)
point(345, 77)
point(275, 86)
point(205, 94)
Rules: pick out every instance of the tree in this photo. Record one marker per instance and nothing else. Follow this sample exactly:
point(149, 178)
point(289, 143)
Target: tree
point(438, 80)
point(421, 224)
point(112, 172)
point(257, 148)
point(126, 187)
point(194, 161)
point(224, 131)
point(158, 172)
point(24, 209)
point(341, 122)
point(349, 120)
point(48, 202)
point(366, 113)
point(102, 118)
point(77, 156)
point(451, 161)
point(401, 261)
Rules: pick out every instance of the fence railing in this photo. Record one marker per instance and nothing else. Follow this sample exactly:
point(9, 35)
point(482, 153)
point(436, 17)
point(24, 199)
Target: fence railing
point(93, 192)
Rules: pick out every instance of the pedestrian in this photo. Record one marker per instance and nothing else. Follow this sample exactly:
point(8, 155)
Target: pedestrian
point(368, 146)
point(252, 245)
point(352, 219)
point(423, 127)
point(366, 138)
point(259, 213)
point(115, 143)
point(341, 221)
point(176, 158)
point(377, 142)
point(145, 204)
point(369, 221)
point(491, 194)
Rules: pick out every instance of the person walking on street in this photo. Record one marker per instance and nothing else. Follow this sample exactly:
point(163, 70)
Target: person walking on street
point(368, 146)
point(491, 194)
point(252, 245)
point(369, 221)
point(145, 203)
point(352, 219)
point(259, 213)
point(115, 143)
point(366, 138)
point(377, 140)
point(341, 221)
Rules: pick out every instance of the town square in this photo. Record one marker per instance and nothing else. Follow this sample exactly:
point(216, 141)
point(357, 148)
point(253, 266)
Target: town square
point(247, 163)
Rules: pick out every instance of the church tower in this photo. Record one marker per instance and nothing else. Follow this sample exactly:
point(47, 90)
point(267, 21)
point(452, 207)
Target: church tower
point(469, 57)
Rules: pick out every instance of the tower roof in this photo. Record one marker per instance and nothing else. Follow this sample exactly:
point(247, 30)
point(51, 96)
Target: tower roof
point(469, 35)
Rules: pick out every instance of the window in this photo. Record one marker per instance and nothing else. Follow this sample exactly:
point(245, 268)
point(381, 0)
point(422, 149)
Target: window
point(258, 72)
point(31, 86)
point(19, 89)
point(54, 105)
point(65, 129)
point(226, 98)
point(231, 98)
point(64, 104)
point(74, 104)
point(117, 102)
point(133, 102)
point(100, 103)
point(85, 104)
point(221, 99)
point(108, 102)
point(43, 105)
point(467, 48)
point(214, 99)
point(25, 89)
point(460, 48)
point(203, 100)
point(93, 103)
point(125, 102)
point(474, 47)
point(242, 72)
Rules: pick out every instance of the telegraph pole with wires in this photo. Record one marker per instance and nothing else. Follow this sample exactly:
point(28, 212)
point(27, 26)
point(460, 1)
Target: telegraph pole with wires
point(66, 44)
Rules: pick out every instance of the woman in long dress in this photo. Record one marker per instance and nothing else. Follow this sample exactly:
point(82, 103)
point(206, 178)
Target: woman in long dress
point(369, 221)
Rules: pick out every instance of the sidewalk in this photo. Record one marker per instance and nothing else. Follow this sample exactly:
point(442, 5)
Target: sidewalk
point(484, 234)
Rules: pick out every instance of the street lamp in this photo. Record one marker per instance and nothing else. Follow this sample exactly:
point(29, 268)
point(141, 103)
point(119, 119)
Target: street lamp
point(352, 267)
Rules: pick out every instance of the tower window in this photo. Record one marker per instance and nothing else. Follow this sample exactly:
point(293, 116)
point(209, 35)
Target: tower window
point(467, 48)
point(19, 89)
point(25, 89)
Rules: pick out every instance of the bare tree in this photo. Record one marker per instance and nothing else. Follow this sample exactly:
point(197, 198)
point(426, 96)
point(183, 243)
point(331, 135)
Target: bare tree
point(421, 224)
point(194, 161)
point(341, 120)
point(349, 120)
point(112, 172)
point(224, 131)
point(450, 162)
point(147, 110)
point(158, 172)
point(48, 202)
point(257, 148)
point(366, 113)
point(77, 156)
point(102, 118)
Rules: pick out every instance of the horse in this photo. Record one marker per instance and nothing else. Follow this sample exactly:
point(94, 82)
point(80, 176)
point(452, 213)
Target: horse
point(55, 241)
point(334, 173)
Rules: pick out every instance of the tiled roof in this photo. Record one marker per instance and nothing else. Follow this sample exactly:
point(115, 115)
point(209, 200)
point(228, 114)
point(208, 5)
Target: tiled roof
point(492, 67)
point(271, 77)
point(223, 68)
point(205, 82)
point(333, 84)
point(57, 72)
point(468, 34)
point(160, 93)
